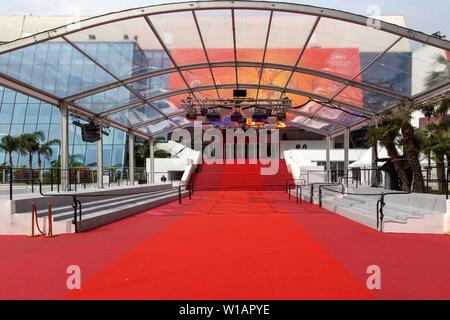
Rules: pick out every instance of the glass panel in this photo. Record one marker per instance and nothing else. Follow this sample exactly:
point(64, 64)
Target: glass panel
point(367, 99)
point(19, 113)
point(107, 99)
point(313, 124)
point(248, 75)
point(198, 77)
point(213, 23)
point(135, 116)
point(154, 86)
point(122, 47)
point(275, 77)
point(409, 68)
point(344, 116)
point(226, 93)
point(317, 85)
point(224, 75)
point(310, 107)
point(288, 34)
point(251, 32)
point(158, 127)
point(32, 113)
point(180, 121)
point(179, 33)
point(170, 105)
point(206, 94)
point(60, 69)
point(336, 47)
point(6, 113)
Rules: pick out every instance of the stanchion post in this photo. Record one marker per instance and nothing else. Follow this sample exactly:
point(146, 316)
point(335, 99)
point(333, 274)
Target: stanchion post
point(33, 210)
point(50, 220)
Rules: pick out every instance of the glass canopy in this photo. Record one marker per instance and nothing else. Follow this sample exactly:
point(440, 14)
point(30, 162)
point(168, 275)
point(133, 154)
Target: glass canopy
point(132, 68)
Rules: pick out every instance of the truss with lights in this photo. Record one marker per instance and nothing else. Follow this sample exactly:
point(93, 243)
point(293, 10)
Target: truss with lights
point(263, 108)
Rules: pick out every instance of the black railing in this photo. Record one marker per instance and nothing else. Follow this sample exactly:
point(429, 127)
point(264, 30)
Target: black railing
point(77, 178)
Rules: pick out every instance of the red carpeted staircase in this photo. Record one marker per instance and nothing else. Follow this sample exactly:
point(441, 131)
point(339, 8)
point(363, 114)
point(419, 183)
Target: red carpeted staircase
point(235, 176)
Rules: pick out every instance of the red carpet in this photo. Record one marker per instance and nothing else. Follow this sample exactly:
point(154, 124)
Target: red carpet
point(232, 246)
point(243, 244)
point(245, 176)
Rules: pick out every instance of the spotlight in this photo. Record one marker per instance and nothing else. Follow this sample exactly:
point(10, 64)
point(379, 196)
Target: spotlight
point(281, 116)
point(191, 115)
point(213, 116)
point(259, 116)
point(236, 116)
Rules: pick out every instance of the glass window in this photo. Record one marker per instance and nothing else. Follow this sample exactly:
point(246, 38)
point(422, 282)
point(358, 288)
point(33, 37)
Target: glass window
point(57, 68)
point(45, 113)
point(179, 33)
point(19, 113)
point(287, 37)
point(118, 155)
point(107, 150)
point(29, 128)
point(91, 155)
point(16, 130)
point(158, 85)
point(251, 33)
point(198, 77)
point(123, 59)
point(158, 127)
point(119, 136)
point(21, 98)
point(107, 99)
point(336, 46)
point(6, 112)
point(312, 84)
point(4, 130)
point(9, 96)
point(369, 100)
point(212, 23)
point(135, 116)
point(55, 132)
point(32, 113)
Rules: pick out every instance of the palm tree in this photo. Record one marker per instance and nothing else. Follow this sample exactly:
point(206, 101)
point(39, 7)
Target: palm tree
point(437, 77)
point(28, 144)
point(45, 150)
point(435, 139)
point(9, 145)
point(388, 133)
point(144, 150)
point(411, 147)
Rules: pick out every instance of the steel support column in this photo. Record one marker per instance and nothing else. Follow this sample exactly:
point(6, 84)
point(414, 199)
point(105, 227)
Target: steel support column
point(152, 161)
point(328, 145)
point(100, 162)
point(131, 162)
point(346, 148)
point(64, 146)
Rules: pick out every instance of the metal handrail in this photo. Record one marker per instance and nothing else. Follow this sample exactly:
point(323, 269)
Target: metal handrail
point(380, 203)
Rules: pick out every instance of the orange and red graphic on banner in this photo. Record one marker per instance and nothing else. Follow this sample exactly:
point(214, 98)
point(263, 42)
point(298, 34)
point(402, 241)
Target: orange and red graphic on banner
point(342, 62)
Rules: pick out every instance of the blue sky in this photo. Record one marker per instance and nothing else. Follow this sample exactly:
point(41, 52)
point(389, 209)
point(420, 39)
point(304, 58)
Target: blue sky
point(422, 15)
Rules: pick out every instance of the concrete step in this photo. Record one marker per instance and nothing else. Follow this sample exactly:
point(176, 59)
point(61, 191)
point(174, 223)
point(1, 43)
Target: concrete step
point(121, 211)
point(88, 202)
point(94, 208)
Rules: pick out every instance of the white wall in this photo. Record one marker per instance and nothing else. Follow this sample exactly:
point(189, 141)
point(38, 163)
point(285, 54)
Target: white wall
point(311, 144)
point(183, 159)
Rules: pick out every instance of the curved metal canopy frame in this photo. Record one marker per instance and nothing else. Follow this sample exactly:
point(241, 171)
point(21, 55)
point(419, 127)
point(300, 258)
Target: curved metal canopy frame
point(194, 7)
